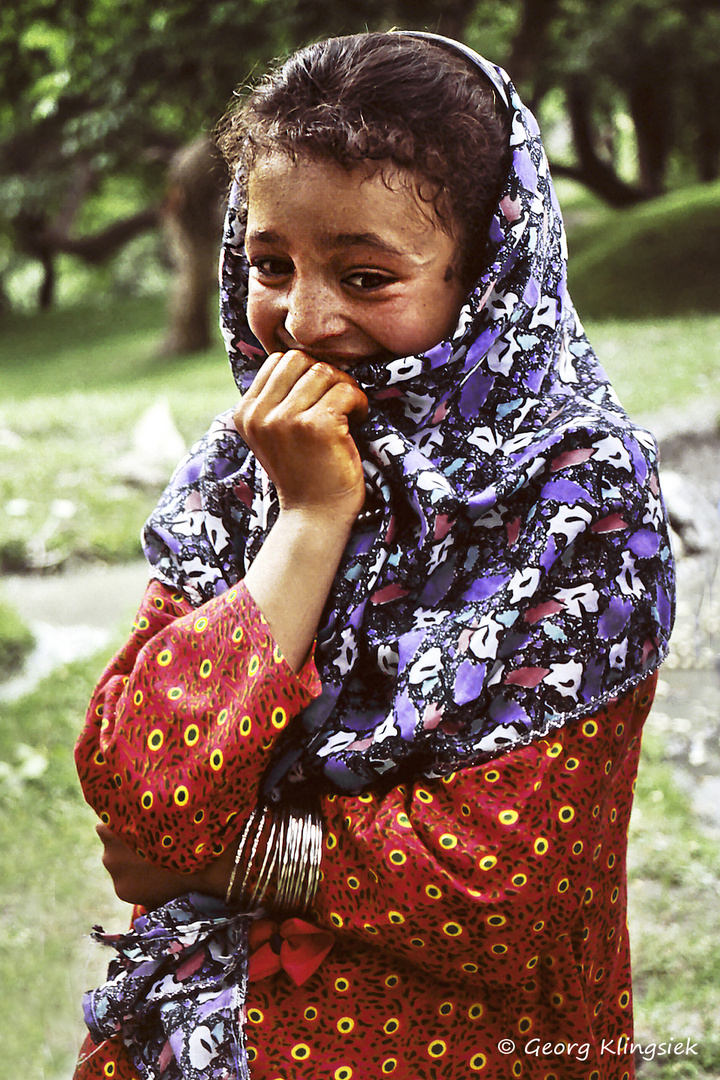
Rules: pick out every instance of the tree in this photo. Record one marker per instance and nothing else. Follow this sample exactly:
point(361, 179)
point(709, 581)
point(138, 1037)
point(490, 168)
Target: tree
point(91, 89)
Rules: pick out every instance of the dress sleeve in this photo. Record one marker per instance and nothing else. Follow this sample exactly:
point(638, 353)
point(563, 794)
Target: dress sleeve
point(182, 722)
point(496, 864)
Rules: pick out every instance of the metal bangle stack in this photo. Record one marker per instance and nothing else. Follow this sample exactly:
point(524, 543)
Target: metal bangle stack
point(291, 857)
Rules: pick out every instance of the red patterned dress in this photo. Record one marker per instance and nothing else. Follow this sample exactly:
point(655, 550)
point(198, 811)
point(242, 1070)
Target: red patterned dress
point(479, 921)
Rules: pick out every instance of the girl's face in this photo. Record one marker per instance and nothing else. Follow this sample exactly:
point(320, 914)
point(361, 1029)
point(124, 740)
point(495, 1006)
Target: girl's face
point(347, 266)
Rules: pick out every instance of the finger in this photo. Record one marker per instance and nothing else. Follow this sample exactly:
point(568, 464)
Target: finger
point(278, 375)
point(347, 398)
point(311, 387)
point(341, 402)
point(270, 387)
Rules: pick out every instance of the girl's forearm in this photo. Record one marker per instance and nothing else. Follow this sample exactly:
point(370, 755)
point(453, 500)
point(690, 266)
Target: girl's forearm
point(293, 573)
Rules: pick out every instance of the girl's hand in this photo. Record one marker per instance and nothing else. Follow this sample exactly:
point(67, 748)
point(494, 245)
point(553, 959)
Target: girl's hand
point(295, 418)
point(137, 881)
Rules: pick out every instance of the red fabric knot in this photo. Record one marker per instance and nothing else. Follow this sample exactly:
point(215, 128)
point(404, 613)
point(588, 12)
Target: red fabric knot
point(295, 946)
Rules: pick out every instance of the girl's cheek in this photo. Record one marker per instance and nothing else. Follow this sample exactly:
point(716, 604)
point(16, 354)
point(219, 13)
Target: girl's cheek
point(260, 316)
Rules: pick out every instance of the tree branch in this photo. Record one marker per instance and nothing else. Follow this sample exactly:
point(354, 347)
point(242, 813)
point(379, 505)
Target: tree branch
point(102, 245)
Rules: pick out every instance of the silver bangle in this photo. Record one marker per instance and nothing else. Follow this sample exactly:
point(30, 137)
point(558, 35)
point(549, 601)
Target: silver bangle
point(292, 857)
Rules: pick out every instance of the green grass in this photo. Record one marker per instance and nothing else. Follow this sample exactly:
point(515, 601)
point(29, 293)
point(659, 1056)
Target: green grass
point(52, 886)
point(16, 640)
point(674, 918)
point(657, 259)
point(75, 383)
point(656, 363)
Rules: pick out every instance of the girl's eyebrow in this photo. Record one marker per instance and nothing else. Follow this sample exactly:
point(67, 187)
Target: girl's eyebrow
point(367, 239)
point(336, 240)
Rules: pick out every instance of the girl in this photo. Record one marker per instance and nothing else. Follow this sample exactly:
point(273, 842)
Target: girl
point(407, 608)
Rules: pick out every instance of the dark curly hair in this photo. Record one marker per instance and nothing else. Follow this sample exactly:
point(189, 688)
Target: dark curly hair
point(389, 98)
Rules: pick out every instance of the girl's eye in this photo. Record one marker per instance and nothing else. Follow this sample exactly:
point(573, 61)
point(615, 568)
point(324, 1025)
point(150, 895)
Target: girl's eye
point(272, 267)
point(368, 280)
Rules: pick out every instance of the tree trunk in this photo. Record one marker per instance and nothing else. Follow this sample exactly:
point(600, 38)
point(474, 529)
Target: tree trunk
point(650, 103)
point(591, 170)
point(192, 217)
point(527, 47)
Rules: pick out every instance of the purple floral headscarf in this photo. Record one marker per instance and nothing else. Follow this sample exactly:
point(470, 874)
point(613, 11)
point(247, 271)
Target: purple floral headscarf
point(517, 574)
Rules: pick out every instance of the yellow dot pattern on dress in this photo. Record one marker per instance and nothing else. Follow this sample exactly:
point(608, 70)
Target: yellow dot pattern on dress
point(437, 1048)
point(508, 817)
point(245, 726)
point(255, 1016)
point(396, 917)
point(165, 658)
point(200, 624)
point(155, 739)
point(389, 1066)
point(343, 1073)
point(345, 1025)
point(175, 693)
point(206, 669)
point(253, 666)
point(541, 846)
point(278, 718)
point(487, 862)
point(566, 814)
point(191, 734)
point(397, 857)
point(478, 1062)
point(300, 1052)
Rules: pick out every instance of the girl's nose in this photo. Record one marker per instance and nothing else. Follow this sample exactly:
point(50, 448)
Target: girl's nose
point(313, 313)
